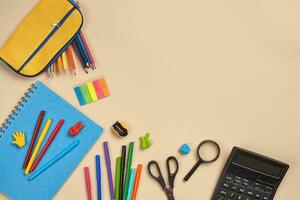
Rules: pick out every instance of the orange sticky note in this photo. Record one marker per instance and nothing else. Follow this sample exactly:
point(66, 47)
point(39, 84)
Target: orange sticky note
point(104, 87)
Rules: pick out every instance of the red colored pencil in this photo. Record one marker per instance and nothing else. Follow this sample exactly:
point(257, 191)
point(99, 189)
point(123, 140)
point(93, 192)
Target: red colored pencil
point(88, 183)
point(33, 139)
point(87, 48)
point(51, 138)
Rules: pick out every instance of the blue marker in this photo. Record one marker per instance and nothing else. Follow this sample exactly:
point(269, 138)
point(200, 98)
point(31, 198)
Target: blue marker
point(53, 160)
point(98, 171)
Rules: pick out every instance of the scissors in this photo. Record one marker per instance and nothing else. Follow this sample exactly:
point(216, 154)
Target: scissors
point(171, 176)
point(201, 160)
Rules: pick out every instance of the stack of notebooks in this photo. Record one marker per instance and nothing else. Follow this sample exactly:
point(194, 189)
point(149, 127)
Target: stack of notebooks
point(13, 182)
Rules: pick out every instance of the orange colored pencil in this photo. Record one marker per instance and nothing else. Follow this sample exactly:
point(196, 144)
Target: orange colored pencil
point(59, 65)
point(137, 181)
point(71, 59)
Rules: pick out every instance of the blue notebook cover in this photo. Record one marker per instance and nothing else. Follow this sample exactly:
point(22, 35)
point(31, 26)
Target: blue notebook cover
point(13, 183)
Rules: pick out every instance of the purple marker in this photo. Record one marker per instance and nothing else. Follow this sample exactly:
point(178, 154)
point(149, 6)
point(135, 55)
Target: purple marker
point(108, 166)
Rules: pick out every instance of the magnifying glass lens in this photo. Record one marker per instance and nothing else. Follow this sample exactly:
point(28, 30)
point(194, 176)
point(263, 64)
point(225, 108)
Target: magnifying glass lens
point(208, 151)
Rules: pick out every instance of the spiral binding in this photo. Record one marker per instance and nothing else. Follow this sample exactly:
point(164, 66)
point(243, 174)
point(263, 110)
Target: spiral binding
point(14, 113)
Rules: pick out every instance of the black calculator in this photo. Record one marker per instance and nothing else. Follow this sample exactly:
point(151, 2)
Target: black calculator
point(249, 176)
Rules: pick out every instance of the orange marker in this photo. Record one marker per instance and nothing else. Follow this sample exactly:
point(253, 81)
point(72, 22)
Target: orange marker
point(104, 87)
point(71, 59)
point(137, 181)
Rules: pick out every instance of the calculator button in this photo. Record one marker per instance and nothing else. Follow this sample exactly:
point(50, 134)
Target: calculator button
point(228, 178)
point(234, 187)
point(265, 198)
point(257, 196)
point(220, 198)
point(231, 195)
point(239, 197)
point(242, 190)
point(238, 181)
point(247, 198)
point(223, 192)
point(245, 183)
point(249, 193)
point(226, 185)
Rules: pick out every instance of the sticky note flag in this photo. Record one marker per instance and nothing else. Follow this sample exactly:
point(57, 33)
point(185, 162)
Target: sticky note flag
point(92, 91)
point(79, 96)
point(85, 92)
point(104, 87)
point(98, 90)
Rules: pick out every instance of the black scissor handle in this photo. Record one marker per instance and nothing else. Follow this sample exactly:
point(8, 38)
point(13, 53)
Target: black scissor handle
point(171, 176)
point(158, 178)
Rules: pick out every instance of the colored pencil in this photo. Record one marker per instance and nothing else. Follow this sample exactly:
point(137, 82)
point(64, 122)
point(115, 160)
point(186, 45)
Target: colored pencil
point(49, 71)
point(64, 60)
point(49, 141)
point(137, 181)
point(59, 65)
point(128, 168)
point(54, 160)
point(38, 145)
point(88, 183)
point(109, 173)
point(123, 167)
point(118, 176)
point(131, 182)
point(88, 49)
point(98, 172)
point(84, 50)
point(81, 52)
point(71, 59)
point(80, 57)
point(33, 139)
point(53, 68)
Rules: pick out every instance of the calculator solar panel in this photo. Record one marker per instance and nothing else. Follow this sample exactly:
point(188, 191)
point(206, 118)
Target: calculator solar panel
point(249, 176)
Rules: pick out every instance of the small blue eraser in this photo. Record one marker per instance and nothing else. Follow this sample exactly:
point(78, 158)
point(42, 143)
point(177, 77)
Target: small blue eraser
point(185, 149)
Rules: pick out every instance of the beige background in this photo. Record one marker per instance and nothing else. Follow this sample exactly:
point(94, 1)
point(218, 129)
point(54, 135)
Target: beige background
point(184, 71)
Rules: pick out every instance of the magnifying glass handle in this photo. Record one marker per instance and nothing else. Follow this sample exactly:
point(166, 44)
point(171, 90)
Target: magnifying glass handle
point(191, 172)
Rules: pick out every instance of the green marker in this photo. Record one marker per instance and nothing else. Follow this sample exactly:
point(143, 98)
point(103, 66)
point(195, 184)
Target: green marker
point(118, 179)
point(128, 169)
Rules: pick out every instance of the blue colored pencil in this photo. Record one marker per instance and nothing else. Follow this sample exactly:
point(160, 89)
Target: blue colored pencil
point(78, 37)
point(83, 64)
point(98, 168)
point(54, 160)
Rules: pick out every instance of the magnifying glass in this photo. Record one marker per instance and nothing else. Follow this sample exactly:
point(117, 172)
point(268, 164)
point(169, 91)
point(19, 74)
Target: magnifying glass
point(210, 151)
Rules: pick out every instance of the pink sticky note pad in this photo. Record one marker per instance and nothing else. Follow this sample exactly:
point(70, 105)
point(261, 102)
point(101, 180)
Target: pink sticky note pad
point(98, 89)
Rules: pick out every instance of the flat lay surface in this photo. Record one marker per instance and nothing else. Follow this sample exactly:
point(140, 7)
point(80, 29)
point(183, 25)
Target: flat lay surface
point(184, 71)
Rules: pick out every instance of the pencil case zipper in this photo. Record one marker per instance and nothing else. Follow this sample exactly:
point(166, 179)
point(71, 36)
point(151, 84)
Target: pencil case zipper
point(56, 27)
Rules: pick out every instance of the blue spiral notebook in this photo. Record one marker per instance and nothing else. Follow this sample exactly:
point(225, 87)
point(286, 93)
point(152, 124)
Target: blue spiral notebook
point(13, 183)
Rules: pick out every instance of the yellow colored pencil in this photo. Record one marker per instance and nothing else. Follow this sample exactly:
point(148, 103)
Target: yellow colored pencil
point(64, 60)
point(38, 145)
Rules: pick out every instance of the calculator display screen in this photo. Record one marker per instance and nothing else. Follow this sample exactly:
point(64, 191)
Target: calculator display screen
point(257, 164)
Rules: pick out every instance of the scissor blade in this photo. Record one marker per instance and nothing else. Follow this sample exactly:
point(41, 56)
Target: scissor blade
point(169, 193)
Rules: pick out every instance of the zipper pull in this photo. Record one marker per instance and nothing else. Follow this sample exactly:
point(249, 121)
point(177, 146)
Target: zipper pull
point(57, 25)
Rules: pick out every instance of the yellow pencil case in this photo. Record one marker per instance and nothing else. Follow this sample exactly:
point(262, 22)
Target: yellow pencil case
point(42, 36)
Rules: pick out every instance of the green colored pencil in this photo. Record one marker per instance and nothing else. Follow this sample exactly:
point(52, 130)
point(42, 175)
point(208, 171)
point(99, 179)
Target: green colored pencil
point(118, 179)
point(128, 169)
